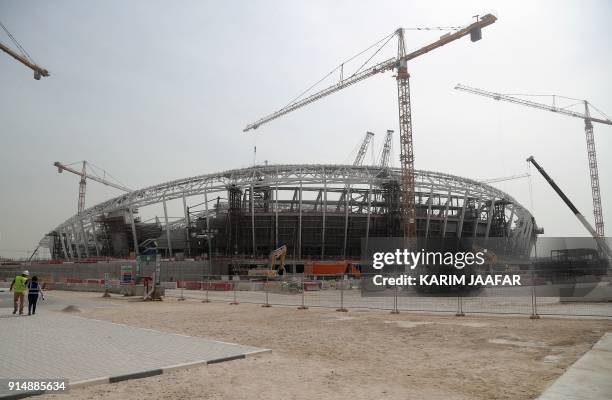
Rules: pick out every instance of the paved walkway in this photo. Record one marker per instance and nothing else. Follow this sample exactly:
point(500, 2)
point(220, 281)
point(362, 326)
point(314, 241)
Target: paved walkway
point(589, 378)
point(60, 345)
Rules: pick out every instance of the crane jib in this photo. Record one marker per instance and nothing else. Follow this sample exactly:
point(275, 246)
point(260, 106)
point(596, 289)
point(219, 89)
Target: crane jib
point(384, 66)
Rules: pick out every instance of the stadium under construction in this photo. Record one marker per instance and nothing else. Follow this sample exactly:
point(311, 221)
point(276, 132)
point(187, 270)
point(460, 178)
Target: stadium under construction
point(317, 211)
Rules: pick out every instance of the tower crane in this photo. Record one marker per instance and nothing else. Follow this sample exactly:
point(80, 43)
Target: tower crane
point(358, 160)
point(24, 57)
point(363, 149)
point(400, 65)
point(588, 130)
point(386, 151)
point(82, 183)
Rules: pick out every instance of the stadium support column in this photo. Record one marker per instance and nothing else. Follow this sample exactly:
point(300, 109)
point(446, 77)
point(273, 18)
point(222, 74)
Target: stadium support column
point(490, 218)
point(428, 213)
point(368, 217)
point(95, 235)
point(346, 216)
point(300, 224)
point(64, 236)
point(133, 224)
point(475, 233)
point(448, 201)
point(462, 218)
point(71, 249)
point(73, 233)
point(509, 227)
point(187, 223)
point(209, 238)
point(276, 244)
point(527, 234)
point(324, 213)
point(84, 238)
point(253, 221)
point(167, 227)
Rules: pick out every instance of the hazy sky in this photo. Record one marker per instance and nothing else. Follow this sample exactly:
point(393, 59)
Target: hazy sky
point(158, 90)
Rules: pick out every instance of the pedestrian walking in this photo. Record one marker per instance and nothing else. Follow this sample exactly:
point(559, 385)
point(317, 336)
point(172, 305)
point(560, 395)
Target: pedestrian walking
point(34, 291)
point(18, 287)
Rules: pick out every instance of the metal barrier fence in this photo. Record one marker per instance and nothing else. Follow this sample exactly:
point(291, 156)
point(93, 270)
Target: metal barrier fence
point(343, 293)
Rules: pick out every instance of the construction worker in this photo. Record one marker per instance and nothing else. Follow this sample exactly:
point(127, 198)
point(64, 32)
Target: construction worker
point(18, 286)
point(34, 291)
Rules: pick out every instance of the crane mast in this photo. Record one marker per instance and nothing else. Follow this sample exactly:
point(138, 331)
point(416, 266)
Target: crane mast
point(406, 149)
point(590, 140)
point(399, 63)
point(384, 156)
point(593, 171)
point(363, 149)
point(82, 183)
point(358, 160)
point(82, 187)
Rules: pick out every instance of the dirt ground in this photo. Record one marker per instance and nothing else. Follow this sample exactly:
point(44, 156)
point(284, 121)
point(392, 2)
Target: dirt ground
point(362, 354)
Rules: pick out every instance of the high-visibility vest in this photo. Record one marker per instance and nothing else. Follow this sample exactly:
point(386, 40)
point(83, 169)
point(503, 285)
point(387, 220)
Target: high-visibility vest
point(19, 285)
point(33, 287)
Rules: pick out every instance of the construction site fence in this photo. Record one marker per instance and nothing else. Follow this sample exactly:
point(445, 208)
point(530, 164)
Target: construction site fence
point(341, 293)
point(345, 293)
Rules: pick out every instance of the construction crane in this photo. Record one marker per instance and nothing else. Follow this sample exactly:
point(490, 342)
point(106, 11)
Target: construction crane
point(363, 149)
point(400, 64)
point(386, 151)
point(601, 242)
point(24, 57)
point(588, 130)
point(82, 183)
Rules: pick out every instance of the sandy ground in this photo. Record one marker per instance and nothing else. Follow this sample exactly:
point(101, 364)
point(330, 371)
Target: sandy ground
point(323, 354)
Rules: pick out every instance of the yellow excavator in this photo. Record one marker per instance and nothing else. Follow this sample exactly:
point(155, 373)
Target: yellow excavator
point(271, 271)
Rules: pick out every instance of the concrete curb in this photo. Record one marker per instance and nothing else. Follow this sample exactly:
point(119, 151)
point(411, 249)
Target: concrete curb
point(179, 367)
point(135, 375)
point(89, 382)
point(138, 375)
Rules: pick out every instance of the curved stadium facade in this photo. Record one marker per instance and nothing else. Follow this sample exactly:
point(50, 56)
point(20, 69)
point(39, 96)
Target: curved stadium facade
point(318, 211)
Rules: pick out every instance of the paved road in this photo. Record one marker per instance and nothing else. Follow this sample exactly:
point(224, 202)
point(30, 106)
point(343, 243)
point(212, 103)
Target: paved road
point(59, 345)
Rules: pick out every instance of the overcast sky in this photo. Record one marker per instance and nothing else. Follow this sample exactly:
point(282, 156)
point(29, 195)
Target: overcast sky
point(158, 90)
